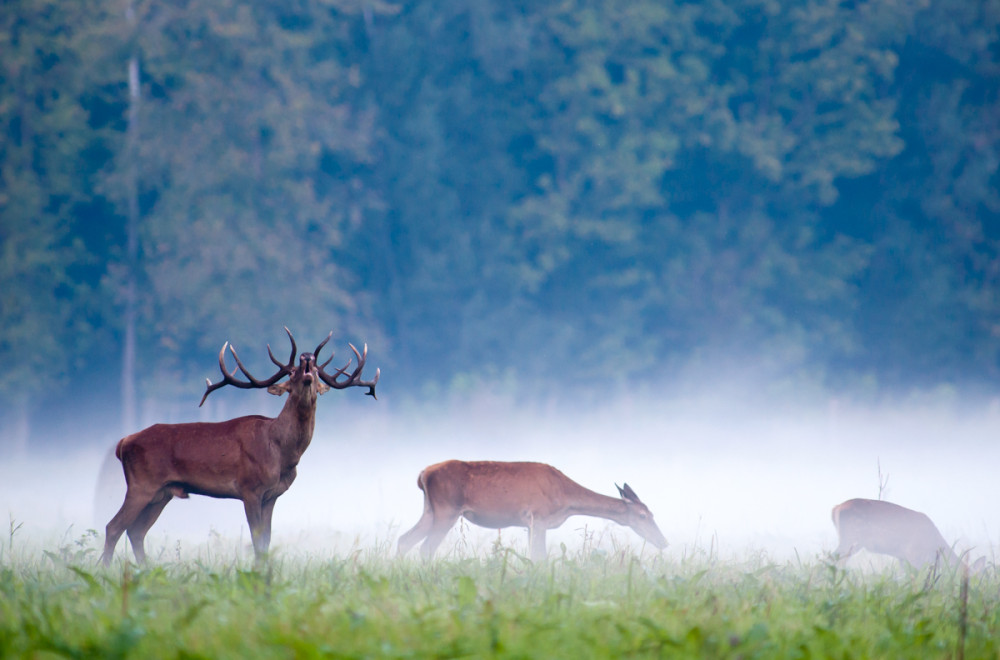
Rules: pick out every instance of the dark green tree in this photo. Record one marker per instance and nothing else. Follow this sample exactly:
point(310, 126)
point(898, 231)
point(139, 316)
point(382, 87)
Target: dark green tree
point(47, 305)
point(929, 307)
point(244, 106)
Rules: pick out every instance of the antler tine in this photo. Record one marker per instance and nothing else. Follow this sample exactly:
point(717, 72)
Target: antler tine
point(209, 389)
point(331, 380)
point(357, 369)
point(229, 378)
point(357, 372)
point(321, 345)
point(291, 359)
point(353, 378)
point(343, 370)
point(253, 381)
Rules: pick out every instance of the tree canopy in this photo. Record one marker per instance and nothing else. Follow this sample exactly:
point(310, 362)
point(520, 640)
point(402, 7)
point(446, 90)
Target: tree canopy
point(537, 198)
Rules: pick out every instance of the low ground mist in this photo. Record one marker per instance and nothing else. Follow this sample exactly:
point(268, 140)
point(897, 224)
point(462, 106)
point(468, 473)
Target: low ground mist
point(718, 477)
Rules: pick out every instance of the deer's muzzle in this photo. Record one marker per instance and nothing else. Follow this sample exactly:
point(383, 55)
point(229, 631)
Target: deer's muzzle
point(307, 363)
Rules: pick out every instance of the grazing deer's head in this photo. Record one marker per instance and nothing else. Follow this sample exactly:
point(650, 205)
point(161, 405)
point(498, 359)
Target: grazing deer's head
point(640, 518)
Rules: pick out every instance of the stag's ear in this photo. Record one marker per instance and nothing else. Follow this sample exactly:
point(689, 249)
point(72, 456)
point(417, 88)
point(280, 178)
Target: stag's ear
point(321, 387)
point(278, 388)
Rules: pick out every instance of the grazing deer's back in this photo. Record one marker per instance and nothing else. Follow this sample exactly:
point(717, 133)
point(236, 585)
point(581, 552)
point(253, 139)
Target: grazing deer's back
point(492, 484)
point(888, 528)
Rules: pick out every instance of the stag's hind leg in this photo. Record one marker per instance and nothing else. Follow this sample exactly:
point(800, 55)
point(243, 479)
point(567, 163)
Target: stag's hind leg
point(134, 504)
point(137, 530)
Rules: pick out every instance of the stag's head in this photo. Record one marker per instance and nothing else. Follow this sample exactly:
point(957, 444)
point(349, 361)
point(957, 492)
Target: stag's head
point(307, 380)
point(303, 380)
point(640, 518)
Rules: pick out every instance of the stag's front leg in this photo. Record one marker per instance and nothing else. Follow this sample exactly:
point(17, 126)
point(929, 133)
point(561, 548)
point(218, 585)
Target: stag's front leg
point(266, 512)
point(254, 510)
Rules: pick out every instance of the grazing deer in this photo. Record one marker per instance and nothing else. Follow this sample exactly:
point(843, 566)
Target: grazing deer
point(889, 529)
point(250, 458)
point(533, 495)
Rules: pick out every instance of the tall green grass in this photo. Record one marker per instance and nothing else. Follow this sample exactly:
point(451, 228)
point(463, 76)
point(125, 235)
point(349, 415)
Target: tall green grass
point(494, 603)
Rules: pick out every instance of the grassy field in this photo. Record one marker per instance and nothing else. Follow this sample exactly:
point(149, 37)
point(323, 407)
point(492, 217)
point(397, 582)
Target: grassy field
point(588, 603)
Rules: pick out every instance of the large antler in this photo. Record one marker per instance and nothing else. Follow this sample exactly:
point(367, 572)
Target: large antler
point(354, 379)
point(229, 378)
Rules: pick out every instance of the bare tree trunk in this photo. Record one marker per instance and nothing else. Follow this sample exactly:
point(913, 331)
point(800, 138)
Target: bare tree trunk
point(129, 412)
point(14, 437)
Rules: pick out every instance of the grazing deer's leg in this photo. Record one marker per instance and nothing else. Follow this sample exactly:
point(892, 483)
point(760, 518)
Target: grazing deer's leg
point(844, 551)
point(137, 530)
point(440, 527)
point(536, 543)
point(132, 506)
point(417, 532)
point(414, 536)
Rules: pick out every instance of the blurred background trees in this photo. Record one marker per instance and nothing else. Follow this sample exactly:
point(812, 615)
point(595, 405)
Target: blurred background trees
point(543, 200)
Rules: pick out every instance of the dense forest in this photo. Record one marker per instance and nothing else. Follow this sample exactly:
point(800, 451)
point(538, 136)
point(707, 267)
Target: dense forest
point(547, 199)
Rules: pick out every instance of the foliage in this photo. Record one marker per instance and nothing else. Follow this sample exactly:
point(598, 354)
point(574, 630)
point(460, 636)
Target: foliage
point(584, 605)
point(45, 310)
point(242, 107)
point(618, 190)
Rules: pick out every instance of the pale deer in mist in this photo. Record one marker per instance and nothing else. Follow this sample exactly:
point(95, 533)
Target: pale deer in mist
point(250, 458)
point(533, 495)
point(889, 529)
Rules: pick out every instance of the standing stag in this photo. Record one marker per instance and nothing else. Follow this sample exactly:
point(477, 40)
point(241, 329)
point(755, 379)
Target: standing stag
point(250, 458)
point(889, 529)
point(533, 495)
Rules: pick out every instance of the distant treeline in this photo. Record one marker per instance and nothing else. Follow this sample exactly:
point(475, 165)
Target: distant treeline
point(543, 197)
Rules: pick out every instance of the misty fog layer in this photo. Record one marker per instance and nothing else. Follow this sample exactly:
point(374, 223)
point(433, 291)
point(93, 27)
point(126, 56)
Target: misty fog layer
point(718, 478)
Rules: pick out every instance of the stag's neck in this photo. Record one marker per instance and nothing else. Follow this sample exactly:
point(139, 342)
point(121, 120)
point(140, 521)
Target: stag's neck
point(585, 502)
point(295, 425)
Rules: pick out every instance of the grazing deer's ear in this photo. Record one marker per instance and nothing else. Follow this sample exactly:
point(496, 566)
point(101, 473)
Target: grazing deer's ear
point(628, 493)
point(278, 389)
point(621, 492)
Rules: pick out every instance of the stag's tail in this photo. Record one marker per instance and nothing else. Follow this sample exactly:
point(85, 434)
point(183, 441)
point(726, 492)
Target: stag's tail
point(110, 487)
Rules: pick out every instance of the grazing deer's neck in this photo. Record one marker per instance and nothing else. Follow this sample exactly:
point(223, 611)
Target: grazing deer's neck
point(585, 502)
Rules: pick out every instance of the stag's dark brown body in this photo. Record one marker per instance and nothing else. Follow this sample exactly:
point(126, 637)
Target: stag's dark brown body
point(251, 458)
point(256, 455)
